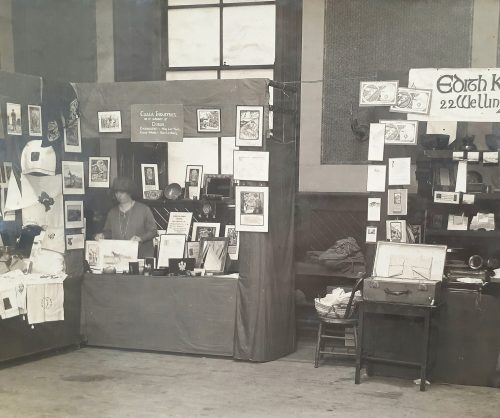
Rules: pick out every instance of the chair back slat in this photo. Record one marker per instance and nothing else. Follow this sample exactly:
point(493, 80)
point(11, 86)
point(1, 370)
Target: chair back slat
point(357, 286)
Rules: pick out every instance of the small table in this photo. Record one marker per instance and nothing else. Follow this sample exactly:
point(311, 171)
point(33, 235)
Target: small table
point(398, 309)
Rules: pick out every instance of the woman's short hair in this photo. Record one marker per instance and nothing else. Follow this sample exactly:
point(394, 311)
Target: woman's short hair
point(124, 184)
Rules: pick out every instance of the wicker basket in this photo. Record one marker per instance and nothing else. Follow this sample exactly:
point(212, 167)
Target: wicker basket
point(333, 311)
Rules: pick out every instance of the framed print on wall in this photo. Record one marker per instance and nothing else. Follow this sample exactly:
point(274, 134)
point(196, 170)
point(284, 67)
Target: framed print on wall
point(208, 120)
point(110, 121)
point(396, 230)
point(99, 169)
point(194, 177)
point(205, 230)
point(73, 177)
point(149, 178)
point(35, 120)
point(73, 213)
point(73, 137)
point(14, 121)
point(249, 126)
point(252, 208)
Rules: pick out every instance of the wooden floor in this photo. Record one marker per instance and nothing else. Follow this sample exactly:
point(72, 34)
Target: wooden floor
point(93, 382)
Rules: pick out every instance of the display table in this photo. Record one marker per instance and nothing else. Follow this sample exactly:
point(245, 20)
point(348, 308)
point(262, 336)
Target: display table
point(162, 313)
point(19, 340)
point(422, 312)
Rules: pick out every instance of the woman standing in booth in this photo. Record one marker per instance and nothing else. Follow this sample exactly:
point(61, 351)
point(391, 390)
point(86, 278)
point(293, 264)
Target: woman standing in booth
point(130, 220)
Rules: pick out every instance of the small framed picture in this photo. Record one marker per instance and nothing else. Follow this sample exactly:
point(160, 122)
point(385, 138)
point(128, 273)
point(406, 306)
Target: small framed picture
point(205, 230)
point(208, 120)
point(5, 170)
point(99, 169)
point(171, 246)
point(213, 254)
point(14, 121)
point(73, 137)
point(73, 213)
point(73, 177)
point(396, 230)
point(252, 208)
point(93, 253)
point(249, 126)
point(194, 178)
point(415, 234)
point(192, 249)
point(35, 120)
point(233, 245)
point(75, 242)
point(400, 132)
point(110, 121)
point(149, 177)
point(397, 202)
point(378, 93)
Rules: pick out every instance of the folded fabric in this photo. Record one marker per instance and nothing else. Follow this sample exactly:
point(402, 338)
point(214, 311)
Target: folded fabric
point(45, 302)
point(342, 249)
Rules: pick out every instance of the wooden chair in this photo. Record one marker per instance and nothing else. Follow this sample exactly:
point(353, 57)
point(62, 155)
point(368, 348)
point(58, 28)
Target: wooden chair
point(334, 329)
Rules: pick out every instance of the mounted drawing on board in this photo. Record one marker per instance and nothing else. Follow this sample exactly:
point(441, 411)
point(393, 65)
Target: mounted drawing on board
point(249, 125)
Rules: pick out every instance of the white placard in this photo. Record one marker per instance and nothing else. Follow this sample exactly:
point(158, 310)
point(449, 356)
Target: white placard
point(461, 183)
point(376, 142)
point(179, 223)
point(374, 204)
point(399, 171)
point(375, 181)
point(251, 165)
point(468, 199)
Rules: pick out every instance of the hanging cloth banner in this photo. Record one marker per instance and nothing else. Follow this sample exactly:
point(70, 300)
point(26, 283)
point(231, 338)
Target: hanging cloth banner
point(459, 94)
point(157, 123)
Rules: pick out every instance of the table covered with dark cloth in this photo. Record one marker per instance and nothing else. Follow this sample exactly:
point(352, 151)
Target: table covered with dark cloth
point(18, 339)
point(184, 314)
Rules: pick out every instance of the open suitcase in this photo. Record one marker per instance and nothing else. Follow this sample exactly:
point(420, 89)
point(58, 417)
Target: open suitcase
point(406, 273)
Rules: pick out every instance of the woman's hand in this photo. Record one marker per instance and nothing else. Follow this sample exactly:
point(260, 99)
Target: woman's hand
point(99, 236)
point(135, 238)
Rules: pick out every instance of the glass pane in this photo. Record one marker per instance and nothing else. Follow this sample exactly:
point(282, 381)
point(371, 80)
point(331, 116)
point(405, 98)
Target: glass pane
point(226, 155)
point(198, 151)
point(249, 33)
point(193, 37)
point(191, 75)
point(189, 2)
point(253, 73)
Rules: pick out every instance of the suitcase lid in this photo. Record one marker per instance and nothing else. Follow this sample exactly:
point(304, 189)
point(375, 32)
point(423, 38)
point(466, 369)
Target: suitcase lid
point(397, 260)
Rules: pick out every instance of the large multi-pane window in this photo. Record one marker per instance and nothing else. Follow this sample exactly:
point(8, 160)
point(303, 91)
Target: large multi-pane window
point(215, 39)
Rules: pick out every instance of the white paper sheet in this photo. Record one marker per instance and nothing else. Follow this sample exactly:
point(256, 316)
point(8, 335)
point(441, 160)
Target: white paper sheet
point(371, 234)
point(461, 183)
point(399, 171)
point(468, 199)
point(375, 181)
point(374, 204)
point(179, 223)
point(251, 165)
point(445, 128)
point(376, 142)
